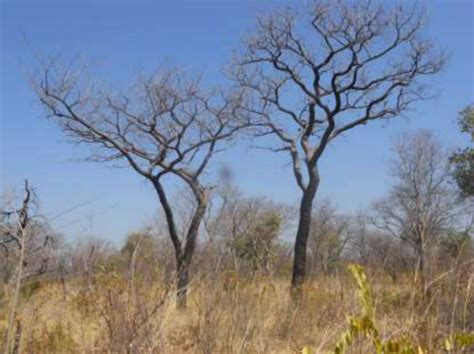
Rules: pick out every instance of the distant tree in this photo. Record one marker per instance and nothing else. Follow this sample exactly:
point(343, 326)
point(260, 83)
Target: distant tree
point(457, 244)
point(328, 237)
point(316, 74)
point(375, 250)
point(142, 239)
point(463, 160)
point(166, 126)
point(421, 206)
point(257, 244)
point(88, 254)
point(144, 246)
point(247, 228)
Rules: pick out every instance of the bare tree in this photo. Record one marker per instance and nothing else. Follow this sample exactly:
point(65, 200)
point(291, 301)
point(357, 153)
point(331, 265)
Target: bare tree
point(26, 245)
point(422, 205)
point(376, 250)
point(164, 126)
point(316, 74)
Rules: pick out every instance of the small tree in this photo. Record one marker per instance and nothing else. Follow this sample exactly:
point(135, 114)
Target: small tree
point(257, 244)
point(327, 238)
point(376, 250)
point(463, 160)
point(319, 73)
point(166, 126)
point(26, 245)
point(147, 246)
point(457, 244)
point(421, 206)
point(247, 228)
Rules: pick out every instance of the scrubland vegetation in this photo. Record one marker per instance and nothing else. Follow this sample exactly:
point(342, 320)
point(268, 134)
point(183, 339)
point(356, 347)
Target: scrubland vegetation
point(93, 297)
point(121, 301)
point(221, 272)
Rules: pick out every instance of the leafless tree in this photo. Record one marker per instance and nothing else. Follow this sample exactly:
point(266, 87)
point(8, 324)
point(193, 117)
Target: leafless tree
point(422, 205)
point(26, 245)
point(315, 74)
point(166, 126)
point(375, 249)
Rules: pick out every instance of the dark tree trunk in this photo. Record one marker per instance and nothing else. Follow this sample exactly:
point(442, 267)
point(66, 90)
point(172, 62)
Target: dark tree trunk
point(182, 283)
point(183, 264)
point(299, 261)
point(183, 255)
point(16, 343)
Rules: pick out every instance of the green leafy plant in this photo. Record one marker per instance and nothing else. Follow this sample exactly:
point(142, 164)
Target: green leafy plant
point(459, 341)
point(363, 324)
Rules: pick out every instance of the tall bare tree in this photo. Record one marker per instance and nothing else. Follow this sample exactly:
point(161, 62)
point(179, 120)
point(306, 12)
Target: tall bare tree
point(422, 205)
point(164, 126)
point(315, 74)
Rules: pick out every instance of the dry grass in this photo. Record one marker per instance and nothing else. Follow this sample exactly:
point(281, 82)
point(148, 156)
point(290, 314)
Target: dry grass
point(232, 314)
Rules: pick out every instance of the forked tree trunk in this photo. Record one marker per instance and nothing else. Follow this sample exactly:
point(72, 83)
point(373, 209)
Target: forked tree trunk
point(183, 253)
point(299, 261)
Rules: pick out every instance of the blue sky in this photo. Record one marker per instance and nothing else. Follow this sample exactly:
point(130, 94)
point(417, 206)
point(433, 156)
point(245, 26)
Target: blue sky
point(120, 38)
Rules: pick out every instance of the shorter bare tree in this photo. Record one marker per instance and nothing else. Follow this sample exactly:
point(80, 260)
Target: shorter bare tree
point(166, 126)
point(421, 206)
point(26, 243)
point(375, 249)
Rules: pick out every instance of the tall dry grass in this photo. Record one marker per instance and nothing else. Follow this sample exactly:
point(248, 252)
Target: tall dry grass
point(115, 312)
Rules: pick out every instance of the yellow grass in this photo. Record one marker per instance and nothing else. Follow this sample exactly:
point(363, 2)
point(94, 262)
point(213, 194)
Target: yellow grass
point(235, 314)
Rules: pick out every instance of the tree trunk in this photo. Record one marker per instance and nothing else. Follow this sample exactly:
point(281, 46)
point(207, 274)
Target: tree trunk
point(420, 270)
point(16, 294)
point(299, 261)
point(183, 263)
point(17, 342)
point(182, 282)
point(183, 255)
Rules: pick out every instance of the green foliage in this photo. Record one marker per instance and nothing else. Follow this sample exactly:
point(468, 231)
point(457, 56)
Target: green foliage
point(466, 121)
point(334, 246)
point(463, 160)
point(363, 325)
point(146, 264)
point(456, 244)
point(146, 242)
point(256, 245)
point(459, 341)
point(30, 288)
